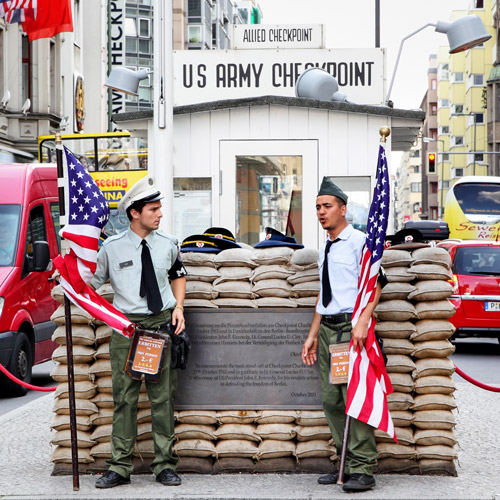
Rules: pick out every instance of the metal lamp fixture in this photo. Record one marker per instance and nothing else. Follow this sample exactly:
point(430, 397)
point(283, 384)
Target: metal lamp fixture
point(463, 34)
point(126, 80)
point(317, 83)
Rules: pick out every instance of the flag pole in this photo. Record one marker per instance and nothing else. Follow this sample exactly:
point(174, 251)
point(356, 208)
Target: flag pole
point(384, 133)
point(67, 321)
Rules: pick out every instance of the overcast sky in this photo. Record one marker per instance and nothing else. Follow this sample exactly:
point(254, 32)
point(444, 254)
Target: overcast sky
point(351, 24)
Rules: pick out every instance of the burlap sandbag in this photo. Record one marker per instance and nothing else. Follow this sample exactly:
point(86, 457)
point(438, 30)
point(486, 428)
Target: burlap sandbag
point(438, 451)
point(57, 294)
point(63, 454)
point(144, 448)
point(84, 389)
point(309, 432)
point(198, 259)
point(200, 290)
point(398, 346)
point(398, 451)
point(237, 416)
point(395, 310)
point(78, 316)
point(235, 257)
point(272, 255)
point(235, 448)
point(144, 431)
point(235, 302)
point(81, 371)
point(101, 368)
point(103, 351)
point(395, 274)
point(432, 437)
point(101, 450)
point(144, 415)
point(305, 301)
point(433, 349)
point(394, 329)
point(396, 291)
point(303, 276)
point(304, 258)
point(80, 335)
point(234, 274)
point(434, 384)
point(201, 273)
point(276, 417)
point(105, 416)
point(198, 431)
point(402, 382)
point(234, 289)
point(306, 289)
point(206, 417)
point(195, 448)
point(398, 401)
point(433, 467)
point(193, 303)
point(434, 401)
point(106, 292)
point(404, 436)
point(275, 271)
point(402, 418)
point(102, 433)
point(434, 419)
point(195, 465)
point(103, 334)
point(81, 354)
point(432, 255)
point(430, 272)
point(82, 407)
point(433, 329)
point(103, 400)
point(273, 288)
point(311, 417)
point(397, 466)
point(62, 422)
point(233, 465)
point(63, 438)
point(433, 366)
point(237, 431)
point(399, 363)
point(281, 432)
point(275, 302)
point(396, 258)
point(273, 448)
point(281, 465)
point(431, 290)
point(104, 384)
point(314, 448)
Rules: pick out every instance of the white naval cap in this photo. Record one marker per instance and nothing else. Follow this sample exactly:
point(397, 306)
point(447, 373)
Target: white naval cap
point(143, 190)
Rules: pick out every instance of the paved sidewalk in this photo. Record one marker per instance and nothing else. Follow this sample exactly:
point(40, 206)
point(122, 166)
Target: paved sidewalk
point(25, 467)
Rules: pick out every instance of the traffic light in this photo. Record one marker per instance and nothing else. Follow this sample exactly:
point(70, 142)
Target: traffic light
point(432, 162)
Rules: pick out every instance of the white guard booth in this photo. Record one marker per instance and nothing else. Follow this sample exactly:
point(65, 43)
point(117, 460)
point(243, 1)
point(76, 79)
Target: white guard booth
point(251, 163)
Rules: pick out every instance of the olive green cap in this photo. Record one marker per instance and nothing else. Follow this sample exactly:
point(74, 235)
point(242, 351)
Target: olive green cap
point(329, 188)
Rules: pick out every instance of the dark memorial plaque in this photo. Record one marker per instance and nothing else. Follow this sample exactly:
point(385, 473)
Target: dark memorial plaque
point(248, 359)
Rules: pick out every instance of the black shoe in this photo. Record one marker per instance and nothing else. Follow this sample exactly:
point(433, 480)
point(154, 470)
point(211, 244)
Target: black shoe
point(359, 482)
point(332, 478)
point(168, 477)
point(111, 479)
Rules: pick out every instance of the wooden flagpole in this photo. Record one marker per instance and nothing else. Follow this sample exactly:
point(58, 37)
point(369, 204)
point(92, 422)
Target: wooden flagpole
point(67, 321)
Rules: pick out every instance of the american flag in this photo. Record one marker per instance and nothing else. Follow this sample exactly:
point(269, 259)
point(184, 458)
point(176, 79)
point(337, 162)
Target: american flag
point(368, 382)
point(18, 11)
point(87, 212)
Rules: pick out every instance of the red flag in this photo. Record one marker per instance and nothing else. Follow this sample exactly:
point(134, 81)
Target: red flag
point(87, 212)
point(52, 17)
point(368, 383)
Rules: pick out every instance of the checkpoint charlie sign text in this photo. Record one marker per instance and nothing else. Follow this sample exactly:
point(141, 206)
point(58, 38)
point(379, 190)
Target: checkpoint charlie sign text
point(271, 36)
point(204, 76)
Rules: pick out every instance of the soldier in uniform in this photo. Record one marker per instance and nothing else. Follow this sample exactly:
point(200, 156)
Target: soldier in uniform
point(148, 279)
point(339, 272)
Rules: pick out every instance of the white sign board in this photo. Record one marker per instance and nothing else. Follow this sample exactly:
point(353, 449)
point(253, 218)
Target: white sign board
point(278, 36)
point(213, 75)
point(192, 213)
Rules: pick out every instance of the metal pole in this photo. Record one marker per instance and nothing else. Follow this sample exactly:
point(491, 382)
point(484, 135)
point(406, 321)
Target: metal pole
point(474, 155)
point(377, 23)
point(69, 338)
point(343, 454)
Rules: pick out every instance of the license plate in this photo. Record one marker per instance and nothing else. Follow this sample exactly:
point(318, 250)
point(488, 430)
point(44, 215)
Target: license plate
point(492, 306)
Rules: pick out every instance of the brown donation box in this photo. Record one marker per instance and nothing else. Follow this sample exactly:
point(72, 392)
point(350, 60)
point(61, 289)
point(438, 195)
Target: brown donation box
point(248, 359)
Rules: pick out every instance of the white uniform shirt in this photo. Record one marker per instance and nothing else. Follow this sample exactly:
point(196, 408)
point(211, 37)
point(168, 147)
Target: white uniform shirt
point(343, 271)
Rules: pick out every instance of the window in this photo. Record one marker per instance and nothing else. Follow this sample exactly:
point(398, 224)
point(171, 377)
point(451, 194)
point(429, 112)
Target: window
point(416, 169)
point(443, 72)
point(54, 212)
point(144, 28)
point(417, 207)
point(445, 157)
point(414, 153)
point(444, 130)
point(130, 27)
point(433, 84)
point(445, 184)
point(434, 109)
point(434, 187)
point(457, 109)
point(457, 172)
point(434, 213)
point(36, 232)
point(358, 205)
point(476, 80)
point(26, 69)
point(144, 46)
point(457, 140)
point(479, 157)
point(479, 118)
point(131, 45)
point(477, 4)
point(458, 77)
point(433, 133)
point(10, 216)
point(416, 187)
point(444, 103)
point(194, 34)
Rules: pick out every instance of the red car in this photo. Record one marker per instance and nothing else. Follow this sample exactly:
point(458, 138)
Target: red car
point(476, 287)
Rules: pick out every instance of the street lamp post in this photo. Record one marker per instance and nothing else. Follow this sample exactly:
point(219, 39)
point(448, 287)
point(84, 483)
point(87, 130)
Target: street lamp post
point(430, 139)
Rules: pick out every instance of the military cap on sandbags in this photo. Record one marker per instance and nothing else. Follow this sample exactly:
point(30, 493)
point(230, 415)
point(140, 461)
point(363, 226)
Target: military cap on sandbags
point(406, 239)
point(276, 239)
point(143, 190)
point(329, 188)
point(222, 237)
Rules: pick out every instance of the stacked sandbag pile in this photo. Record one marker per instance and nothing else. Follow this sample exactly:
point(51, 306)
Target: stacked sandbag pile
point(248, 277)
point(413, 323)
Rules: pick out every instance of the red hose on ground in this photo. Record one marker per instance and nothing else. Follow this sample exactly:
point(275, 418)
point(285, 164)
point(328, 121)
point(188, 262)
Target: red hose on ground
point(24, 384)
point(475, 382)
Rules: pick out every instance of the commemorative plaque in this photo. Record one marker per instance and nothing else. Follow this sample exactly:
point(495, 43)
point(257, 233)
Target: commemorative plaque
point(248, 359)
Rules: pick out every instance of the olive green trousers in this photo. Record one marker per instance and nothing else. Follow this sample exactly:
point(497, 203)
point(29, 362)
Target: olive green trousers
point(126, 396)
point(362, 450)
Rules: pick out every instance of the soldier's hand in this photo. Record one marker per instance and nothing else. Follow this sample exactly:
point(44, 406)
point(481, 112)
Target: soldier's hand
point(359, 334)
point(309, 351)
point(178, 320)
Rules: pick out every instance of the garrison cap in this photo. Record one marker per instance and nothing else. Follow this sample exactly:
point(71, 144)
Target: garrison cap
point(329, 188)
point(143, 190)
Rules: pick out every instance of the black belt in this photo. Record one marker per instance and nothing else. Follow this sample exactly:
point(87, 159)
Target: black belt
point(337, 318)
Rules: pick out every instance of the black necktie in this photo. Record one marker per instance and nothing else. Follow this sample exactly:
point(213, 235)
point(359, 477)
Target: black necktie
point(149, 285)
point(325, 281)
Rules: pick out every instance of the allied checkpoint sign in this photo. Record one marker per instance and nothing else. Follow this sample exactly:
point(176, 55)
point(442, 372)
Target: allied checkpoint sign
point(213, 75)
point(243, 359)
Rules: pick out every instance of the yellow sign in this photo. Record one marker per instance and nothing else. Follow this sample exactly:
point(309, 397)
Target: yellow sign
point(115, 183)
point(339, 363)
point(148, 355)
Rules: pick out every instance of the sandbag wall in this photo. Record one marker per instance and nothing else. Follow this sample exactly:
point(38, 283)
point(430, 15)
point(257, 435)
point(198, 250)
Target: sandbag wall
point(413, 321)
point(259, 441)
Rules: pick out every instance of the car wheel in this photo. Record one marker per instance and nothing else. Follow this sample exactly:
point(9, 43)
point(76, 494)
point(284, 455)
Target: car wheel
point(20, 365)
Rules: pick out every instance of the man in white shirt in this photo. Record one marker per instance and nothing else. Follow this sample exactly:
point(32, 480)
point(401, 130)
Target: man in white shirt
point(339, 272)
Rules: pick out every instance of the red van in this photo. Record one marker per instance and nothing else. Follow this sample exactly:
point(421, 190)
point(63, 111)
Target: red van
point(29, 239)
